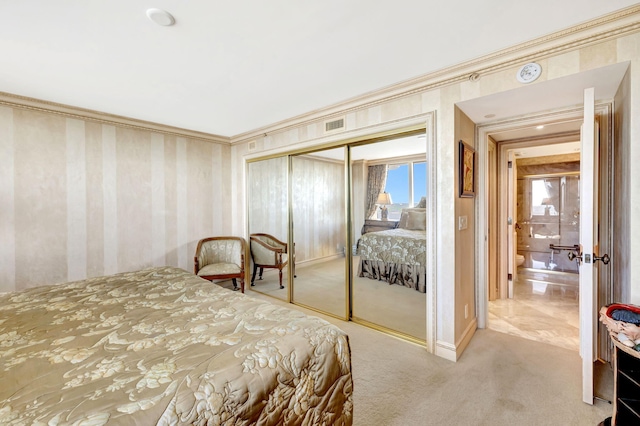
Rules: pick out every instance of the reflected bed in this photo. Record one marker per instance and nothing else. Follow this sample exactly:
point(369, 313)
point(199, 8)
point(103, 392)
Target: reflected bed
point(163, 346)
point(396, 256)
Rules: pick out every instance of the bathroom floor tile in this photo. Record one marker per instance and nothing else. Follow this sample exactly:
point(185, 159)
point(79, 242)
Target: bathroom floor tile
point(544, 308)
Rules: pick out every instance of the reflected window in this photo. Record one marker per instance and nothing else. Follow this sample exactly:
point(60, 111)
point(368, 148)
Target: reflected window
point(544, 198)
point(398, 187)
point(407, 184)
point(419, 181)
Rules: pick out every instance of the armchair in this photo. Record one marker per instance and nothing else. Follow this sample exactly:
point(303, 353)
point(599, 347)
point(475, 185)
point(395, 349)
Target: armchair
point(267, 252)
point(219, 258)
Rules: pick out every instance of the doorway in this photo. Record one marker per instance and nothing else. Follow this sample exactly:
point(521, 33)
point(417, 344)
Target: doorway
point(523, 110)
point(540, 135)
point(542, 193)
point(599, 292)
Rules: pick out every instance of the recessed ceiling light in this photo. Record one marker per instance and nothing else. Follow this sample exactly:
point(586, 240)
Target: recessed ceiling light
point(160, 17)
point(540, 127)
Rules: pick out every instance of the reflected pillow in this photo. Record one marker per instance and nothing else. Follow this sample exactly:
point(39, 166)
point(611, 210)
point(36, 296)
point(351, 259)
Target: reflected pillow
point(417, 220)
point(422, 203)
point(402, 223)
point(404, 216)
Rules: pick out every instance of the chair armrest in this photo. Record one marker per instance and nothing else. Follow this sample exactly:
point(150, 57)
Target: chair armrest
point(269, 241)
point(282, 244)
point(264, 254)
point(267, 246)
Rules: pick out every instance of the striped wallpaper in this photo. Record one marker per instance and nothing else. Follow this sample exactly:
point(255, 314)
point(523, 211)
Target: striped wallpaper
point(79, 198)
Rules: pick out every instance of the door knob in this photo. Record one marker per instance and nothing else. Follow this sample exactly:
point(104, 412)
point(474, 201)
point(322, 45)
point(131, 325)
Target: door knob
point(573, 255)
point(604, 258)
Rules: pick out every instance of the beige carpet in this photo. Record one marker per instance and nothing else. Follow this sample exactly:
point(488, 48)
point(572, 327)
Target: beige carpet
point(320, 285)
point(499, 380)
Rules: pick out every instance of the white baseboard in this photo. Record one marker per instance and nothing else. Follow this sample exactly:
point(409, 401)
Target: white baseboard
point(453, 352)
point(317, 260)
point(446, 350)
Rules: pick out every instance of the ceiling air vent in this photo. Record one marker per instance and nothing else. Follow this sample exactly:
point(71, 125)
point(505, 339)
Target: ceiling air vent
point(334, 125)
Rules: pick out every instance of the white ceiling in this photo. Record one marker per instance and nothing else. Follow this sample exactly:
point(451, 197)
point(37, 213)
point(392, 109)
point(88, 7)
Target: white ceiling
point(571, 126)
point(230, 67)
point(548, 150)
point(547, 95)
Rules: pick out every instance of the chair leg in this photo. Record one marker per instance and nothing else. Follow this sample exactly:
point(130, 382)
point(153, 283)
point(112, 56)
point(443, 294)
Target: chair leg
point(235, 284)
point(261, 271)
point(253, 276)
point(242, 285)
point(280, 276)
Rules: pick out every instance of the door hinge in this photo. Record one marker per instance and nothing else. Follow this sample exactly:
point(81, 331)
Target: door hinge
point(510, 164)
point(510, 277)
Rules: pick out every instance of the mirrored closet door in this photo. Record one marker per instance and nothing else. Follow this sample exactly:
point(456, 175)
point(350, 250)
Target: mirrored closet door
point(389, 196)
point(319, 231)
point(349, 225)
point(267, 189)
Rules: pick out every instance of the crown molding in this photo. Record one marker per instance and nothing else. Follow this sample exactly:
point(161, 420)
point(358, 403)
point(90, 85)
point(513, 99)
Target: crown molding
point(606, 27)
point(23, 102)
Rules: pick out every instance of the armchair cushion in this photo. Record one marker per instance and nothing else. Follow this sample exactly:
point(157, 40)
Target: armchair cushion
point(219, 269)
point(220, 251)
point(219, 258)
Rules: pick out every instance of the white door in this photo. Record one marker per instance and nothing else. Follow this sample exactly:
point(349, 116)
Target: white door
point(512, 240)
point(588, 243)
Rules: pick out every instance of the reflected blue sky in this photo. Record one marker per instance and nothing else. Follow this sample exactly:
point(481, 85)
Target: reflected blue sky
point(398, 183)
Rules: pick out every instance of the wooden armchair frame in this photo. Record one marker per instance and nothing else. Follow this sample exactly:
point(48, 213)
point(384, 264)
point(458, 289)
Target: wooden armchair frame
point(277, 263)
point(222, 276)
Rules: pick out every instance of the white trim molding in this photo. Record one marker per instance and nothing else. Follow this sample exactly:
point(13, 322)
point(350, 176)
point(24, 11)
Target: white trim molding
point(606, 27)
point(23, 102)
point(453, 352)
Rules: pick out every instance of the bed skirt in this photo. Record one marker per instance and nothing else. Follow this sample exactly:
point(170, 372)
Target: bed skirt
point(412, 276)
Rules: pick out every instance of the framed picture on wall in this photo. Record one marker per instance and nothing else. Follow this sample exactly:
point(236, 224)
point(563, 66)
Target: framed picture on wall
point(467, 171)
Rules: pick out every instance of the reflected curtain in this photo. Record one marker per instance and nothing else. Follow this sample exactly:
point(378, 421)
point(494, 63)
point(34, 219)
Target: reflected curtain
point(375, 185)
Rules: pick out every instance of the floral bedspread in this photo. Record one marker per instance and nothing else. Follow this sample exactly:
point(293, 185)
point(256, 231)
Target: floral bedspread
point(162, 346)
point(400, 246)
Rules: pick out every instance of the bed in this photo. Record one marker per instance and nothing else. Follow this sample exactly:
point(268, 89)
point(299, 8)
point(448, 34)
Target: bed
point(163, 346)
point(397, 256)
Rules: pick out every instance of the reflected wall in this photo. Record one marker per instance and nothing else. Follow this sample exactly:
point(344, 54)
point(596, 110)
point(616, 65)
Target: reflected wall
point(319, 231)
point(267, 192)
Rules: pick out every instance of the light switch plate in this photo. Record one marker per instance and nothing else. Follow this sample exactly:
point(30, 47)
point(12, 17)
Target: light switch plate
point(462, 223)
